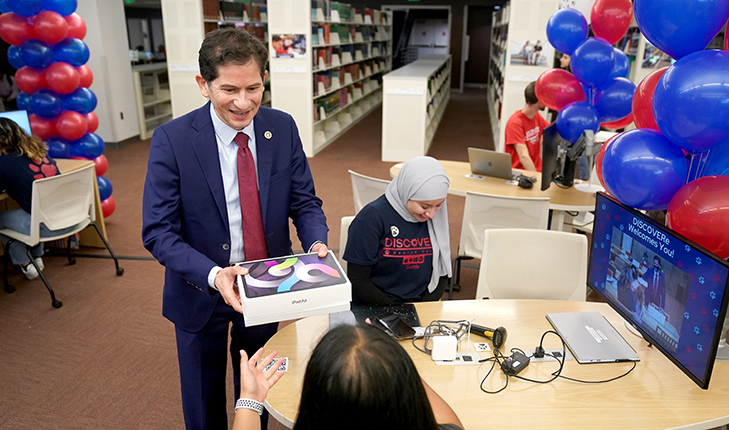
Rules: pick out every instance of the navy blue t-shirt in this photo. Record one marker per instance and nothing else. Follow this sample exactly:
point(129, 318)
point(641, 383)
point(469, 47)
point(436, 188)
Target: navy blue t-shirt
point(18, 172)
point(399, 252)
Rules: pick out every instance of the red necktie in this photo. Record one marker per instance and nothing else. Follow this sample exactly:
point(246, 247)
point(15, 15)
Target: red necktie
point(254, 239)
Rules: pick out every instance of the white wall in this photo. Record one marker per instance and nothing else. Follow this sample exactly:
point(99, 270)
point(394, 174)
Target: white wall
point(106, 37)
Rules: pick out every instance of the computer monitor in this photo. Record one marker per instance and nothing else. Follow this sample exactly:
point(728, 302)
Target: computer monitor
point(20, 117)
point(556, 164)
point(682, 310)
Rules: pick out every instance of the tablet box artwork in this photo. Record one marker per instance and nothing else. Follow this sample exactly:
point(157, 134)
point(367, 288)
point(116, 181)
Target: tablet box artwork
point(296, 286)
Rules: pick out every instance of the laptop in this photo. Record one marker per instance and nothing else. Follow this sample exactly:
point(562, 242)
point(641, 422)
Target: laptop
point(20, 117)
point(490, 163)
point(591, 338)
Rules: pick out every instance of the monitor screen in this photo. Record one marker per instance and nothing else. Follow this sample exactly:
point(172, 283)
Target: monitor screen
point(556, 166)
point(20, 117)
point(673, 291)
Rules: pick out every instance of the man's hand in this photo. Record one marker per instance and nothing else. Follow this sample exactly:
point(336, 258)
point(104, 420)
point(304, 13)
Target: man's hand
point(225, 283)
point(320, 249)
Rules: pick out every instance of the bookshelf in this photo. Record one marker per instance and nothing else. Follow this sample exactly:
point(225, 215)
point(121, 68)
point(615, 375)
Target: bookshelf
point(415, 97)
point(152, 94)
point(338, 80)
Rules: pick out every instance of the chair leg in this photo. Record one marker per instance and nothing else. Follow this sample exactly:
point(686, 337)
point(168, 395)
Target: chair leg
point(54, 302)
point(6, 266)
point(119, 270)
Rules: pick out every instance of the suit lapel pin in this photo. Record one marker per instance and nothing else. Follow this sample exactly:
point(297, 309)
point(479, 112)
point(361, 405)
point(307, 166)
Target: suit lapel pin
point(267, 134)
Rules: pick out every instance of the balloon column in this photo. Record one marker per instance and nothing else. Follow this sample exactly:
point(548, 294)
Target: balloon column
point(678, 157)
point(50, 55)
point(596, 92)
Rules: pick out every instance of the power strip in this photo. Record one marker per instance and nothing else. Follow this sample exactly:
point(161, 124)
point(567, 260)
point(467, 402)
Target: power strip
point(462, 359)
point(556, 352)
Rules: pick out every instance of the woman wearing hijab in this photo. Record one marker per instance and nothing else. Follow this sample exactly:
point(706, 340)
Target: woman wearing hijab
point(398, 248)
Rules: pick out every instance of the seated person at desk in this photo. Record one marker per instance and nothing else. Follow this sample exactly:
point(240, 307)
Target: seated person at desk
point(398, 248)
point(358, 377)
point(523, 133)
point(23, 159)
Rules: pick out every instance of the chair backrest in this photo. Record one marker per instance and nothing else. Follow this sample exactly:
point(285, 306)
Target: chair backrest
point(366, 189)
point(62, 201)
point(343, 234)
point(484, 211)
point(523, 263)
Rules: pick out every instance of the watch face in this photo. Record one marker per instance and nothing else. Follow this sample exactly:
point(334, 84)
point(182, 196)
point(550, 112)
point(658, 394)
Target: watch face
point(293, 273)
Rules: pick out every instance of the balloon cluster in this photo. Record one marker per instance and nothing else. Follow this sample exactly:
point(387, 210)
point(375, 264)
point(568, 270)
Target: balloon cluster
point(677, 159)
point(50, 57)
point(597, 92)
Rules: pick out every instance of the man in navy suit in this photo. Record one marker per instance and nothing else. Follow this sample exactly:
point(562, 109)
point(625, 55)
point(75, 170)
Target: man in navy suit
point(192, 217)
point(656, 292)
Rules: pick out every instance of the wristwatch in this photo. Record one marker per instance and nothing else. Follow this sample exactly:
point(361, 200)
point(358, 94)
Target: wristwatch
point(249, 404)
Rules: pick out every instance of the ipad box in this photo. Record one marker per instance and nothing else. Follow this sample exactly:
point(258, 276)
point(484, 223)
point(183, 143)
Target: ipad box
point(295, 286)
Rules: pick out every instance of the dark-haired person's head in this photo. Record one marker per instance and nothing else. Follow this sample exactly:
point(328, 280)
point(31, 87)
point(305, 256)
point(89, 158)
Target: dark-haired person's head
point(14, 140)
point(530, 95)
point(358, 377)
point(226, 46)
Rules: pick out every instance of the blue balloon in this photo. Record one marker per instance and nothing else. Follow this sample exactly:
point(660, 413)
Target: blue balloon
point(25, 7)
point(62, 7)
point(81, 100)
point(4, 7)
point(680, 27)
point(716, 162)
point(88, 146)
point(72, 51)
point(46, 104)
point(593, 61)
point(105, 188)
point(36, 54)
point(566, 30)
point(575, 118)
point(58, 147)
point(690, 102)
point(622, 65)
point(643, 169)
point(14, 57)
point(614, 99)
point(23, 102)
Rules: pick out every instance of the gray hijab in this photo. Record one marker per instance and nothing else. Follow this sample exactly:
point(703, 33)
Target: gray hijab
point(423, 179)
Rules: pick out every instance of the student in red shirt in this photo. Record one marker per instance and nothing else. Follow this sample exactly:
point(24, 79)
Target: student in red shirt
point(523, 133)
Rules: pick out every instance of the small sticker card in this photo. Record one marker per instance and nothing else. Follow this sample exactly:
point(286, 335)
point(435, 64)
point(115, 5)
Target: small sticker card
point(283, 366)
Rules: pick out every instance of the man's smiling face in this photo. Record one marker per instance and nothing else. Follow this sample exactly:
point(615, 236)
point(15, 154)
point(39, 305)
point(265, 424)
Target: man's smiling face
point(235, 94)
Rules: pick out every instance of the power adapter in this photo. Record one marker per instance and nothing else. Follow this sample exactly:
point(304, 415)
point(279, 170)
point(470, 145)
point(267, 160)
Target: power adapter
point(515, 363)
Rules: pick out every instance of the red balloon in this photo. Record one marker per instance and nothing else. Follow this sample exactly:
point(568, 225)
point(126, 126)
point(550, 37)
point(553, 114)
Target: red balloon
point(101, 164)
point(15, 29)
point(50, 27)
point(556, 88)
point(700, 211)
point(93, 121)
point(598, 159)
point(621, 123)
point(84, 73)
point(62, 77)
point(643, 100)
point(726, 40)
point(610, 19)
point(108, 206)
point(42, 127)
point(76, 26)
point(71, 125)
point(30, 80)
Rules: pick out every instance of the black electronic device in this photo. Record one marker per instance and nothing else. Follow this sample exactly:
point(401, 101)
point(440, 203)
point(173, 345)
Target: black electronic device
point(515, 363)
point(524, 182)
point(497, 336)
point(670, 289)
point(559, 157)
point(396, 326)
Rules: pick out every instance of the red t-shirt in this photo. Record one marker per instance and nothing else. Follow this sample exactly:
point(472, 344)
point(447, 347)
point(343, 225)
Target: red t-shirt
point(520, 129)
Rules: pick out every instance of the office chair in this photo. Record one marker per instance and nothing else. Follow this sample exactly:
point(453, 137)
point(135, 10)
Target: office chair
point(485, 211)
point(366, 189)
point(343, 234)
point(60, 202)
point(522, 263)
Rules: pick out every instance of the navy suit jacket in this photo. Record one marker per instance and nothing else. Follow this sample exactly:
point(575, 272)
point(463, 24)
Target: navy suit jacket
point(185, 221)
point(656, 293)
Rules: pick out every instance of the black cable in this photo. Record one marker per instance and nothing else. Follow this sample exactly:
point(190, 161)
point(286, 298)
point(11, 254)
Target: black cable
point(494, 360)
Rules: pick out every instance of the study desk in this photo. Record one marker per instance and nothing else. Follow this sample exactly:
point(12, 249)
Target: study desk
point(655, 395)
point(86, 237)
point(560, 199)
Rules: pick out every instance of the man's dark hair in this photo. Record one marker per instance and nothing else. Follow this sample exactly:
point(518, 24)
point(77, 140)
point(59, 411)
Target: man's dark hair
point(530, 95)
point(230, 46)
point(358, 377)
